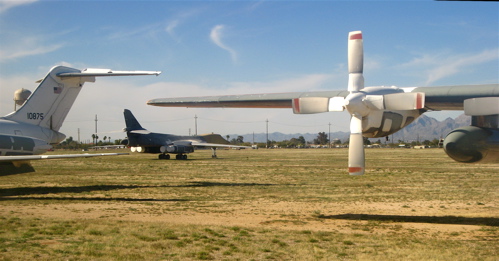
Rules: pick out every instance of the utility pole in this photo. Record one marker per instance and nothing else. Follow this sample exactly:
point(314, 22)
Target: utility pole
point(96, 138)
point(196, 125)
point(267, 143)
point(329, 136)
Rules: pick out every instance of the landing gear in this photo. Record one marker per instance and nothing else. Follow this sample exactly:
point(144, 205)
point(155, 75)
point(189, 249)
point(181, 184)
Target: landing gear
point(214, 155)
point(164, 156)
point(167, 156)
point(181, 157)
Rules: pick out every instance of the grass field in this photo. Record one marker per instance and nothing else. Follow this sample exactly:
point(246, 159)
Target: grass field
point(286, 204)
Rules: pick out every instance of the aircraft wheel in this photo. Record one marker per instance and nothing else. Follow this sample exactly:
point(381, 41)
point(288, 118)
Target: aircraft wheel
point(178, 156)
point(164, 156)
point(184, 157)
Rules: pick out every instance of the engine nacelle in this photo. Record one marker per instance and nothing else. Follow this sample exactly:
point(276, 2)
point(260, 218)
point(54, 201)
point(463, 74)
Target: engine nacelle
point(177, 149)
point(142, 149)
point(383, 123)
point(473, 144)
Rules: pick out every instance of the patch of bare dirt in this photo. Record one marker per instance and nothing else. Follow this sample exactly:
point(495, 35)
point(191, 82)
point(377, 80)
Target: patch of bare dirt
point(426, 219)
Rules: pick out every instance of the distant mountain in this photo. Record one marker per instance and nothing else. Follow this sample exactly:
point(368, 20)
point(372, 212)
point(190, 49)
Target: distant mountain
point(423, 128)
point(427, 128)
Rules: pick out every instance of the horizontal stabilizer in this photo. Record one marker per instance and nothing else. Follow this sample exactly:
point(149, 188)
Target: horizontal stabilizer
point(106, 72)
point(481, 106)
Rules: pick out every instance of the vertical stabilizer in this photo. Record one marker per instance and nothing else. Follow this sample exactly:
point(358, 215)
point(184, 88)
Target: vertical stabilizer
point(131, 122)
point(51, 101)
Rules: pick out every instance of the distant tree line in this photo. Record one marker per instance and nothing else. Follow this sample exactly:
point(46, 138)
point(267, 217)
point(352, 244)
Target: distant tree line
point(323, 140)
point(71, 144)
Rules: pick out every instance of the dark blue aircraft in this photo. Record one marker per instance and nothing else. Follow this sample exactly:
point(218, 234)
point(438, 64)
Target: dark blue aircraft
point(144, 141)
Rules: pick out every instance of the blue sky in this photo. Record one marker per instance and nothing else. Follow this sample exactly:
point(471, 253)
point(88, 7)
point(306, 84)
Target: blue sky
point(238, 47)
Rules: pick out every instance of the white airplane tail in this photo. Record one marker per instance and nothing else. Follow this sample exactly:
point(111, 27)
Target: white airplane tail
point(51, 101)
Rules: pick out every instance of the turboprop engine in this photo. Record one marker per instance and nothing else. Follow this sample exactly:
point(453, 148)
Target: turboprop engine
point(472, 144)
point(479, 142)
point(375, 111)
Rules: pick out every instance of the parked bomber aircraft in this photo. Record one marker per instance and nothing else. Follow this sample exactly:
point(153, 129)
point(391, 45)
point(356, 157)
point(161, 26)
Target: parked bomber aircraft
point(34, 127)
point(144, 141)
point(381, 111)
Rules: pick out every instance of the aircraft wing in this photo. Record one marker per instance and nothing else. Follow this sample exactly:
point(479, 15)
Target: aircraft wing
point(216, 145)
point(40, 157)
point(21, 164)
point(452, 97)
point(436, 98)
point(265, 100)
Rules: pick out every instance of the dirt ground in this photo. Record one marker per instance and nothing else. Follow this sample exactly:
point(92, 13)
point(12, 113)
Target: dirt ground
point(380, 218)
point(450, 218)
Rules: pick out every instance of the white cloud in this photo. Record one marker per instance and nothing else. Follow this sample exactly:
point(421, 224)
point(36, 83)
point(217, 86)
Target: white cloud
point(8, 4)
point(170, 29)
point(19, 46)
point(146, 30)
point(23, 51)
point(216, 35)
point(455, 65)
point(180, 19)
point(440, 66)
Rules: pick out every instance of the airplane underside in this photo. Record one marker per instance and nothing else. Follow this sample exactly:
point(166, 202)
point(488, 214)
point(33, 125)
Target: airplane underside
point(179, 151)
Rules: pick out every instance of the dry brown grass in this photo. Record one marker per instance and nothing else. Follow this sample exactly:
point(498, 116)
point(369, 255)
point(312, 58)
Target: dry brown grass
point(252, 204)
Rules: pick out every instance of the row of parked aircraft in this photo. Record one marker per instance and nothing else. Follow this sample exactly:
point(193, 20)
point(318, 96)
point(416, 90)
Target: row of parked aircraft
point(375, 112)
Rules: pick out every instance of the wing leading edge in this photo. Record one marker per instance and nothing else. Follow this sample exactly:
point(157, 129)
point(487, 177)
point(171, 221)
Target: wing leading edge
point(266, 100)
point(436, 98)
point(216, 145)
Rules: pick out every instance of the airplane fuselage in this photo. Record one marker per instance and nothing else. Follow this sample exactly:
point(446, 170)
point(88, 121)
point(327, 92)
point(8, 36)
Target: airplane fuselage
point(9, 127)
point(156, 142)
point(18, 138)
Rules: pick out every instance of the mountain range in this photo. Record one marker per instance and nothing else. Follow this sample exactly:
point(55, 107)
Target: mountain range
point(423, 128)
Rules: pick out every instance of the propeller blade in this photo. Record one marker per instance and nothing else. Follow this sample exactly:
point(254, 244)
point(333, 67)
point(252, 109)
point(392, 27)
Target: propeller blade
point(308, 105)
point(356, 157)
point(396, 101)
point(355, 61)
point(404, 101)
point(355, 52)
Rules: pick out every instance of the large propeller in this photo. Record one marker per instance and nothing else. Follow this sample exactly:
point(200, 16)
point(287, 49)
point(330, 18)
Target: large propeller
point(360, 102)
point(356, 157)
